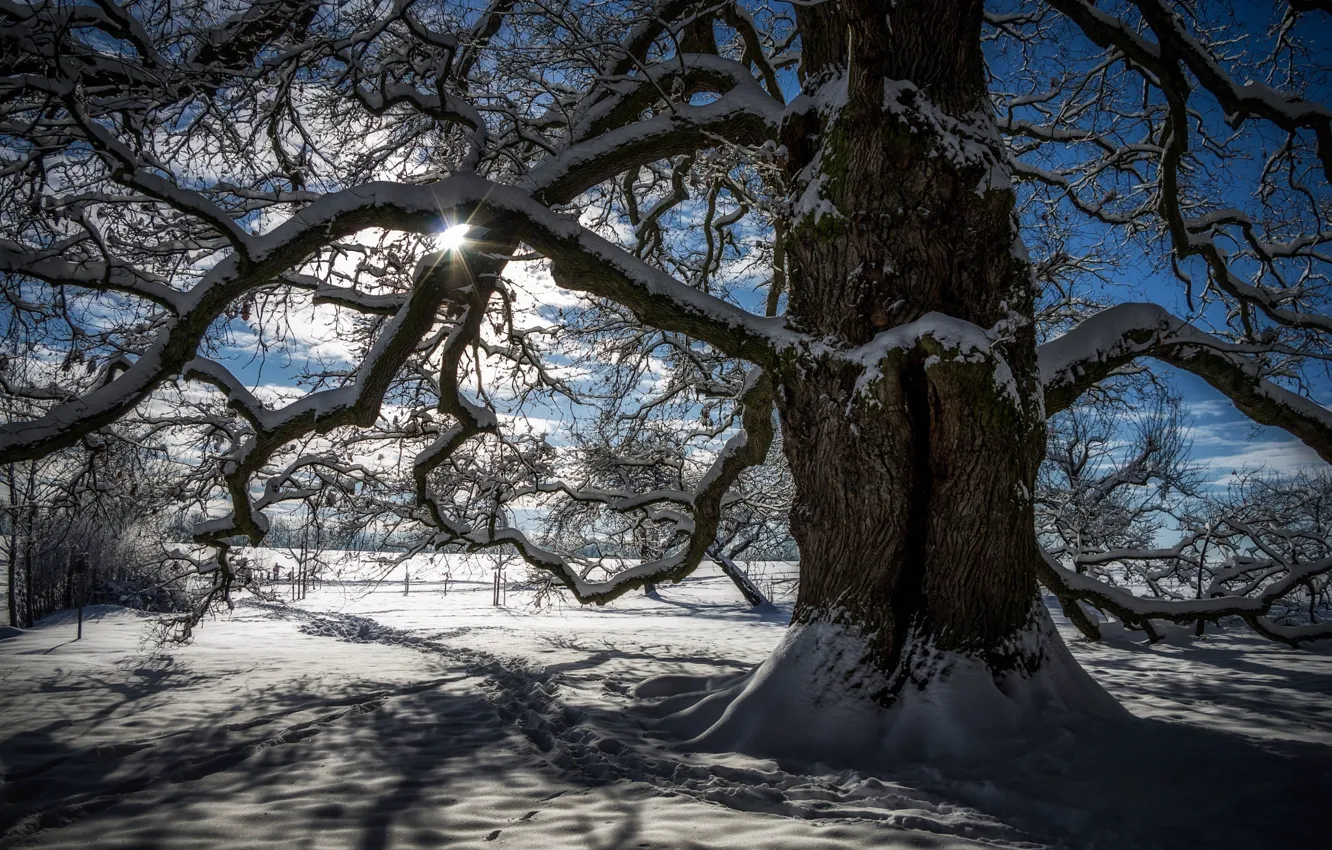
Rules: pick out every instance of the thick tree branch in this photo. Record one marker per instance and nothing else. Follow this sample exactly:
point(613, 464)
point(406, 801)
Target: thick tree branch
point(582, 261)
point(52, 267)
point(1138, 611)
point(1165, 65)
point(743, 116)
point(1115, 337)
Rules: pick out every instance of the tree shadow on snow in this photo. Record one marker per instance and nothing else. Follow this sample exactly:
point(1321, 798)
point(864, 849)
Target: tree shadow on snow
point(377, 764)
point(1152, 783)
point(1133, 783)
point(384, 744)
point(767, 612)
point(621, 662)
point(368, 765)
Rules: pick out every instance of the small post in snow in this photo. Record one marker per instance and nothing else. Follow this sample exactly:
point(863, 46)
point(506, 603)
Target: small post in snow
point(80, 570)
point(406, 581)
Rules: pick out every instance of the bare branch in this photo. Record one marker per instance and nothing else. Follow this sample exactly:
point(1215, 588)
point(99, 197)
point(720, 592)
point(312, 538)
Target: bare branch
point(1116, 337)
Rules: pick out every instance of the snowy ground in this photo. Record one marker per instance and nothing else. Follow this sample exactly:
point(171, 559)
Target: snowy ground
point(365, 718)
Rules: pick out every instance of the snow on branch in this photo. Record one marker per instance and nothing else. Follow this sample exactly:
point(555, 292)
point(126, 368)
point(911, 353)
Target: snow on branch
point(1112, 339)
point(742, 116)
point(747, 448)
point(357, 403)
point(1253, 607)
point(583, 262)
point(151, 134)
point(1240, 101)
point(1112, 487)
point(53, 266)
point(684, 74)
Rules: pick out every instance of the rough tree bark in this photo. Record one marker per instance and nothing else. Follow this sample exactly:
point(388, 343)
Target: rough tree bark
point(913, 509)
point(913, 505)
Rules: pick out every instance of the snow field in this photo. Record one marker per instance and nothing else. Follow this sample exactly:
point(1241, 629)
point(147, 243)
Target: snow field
point(365, 718)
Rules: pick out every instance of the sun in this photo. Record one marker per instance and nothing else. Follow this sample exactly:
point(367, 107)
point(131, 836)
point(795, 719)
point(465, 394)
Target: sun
point(454, 237)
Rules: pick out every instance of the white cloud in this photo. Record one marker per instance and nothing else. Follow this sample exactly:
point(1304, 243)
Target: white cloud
point(1282, 457)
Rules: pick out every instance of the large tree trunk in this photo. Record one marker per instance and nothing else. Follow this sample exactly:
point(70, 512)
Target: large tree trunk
point(914, 473)
point(913, 509)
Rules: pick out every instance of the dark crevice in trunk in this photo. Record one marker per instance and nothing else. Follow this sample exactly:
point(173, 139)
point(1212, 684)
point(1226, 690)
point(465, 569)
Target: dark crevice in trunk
point(908, 601)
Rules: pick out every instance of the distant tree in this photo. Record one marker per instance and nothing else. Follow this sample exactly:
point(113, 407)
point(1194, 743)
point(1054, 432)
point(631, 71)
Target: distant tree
point(616, 457)
point(809, 216)
point(1112, 484)
point(1104, 504)
point(83, 527)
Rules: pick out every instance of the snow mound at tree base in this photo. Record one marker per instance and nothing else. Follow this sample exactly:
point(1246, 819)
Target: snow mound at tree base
point(818, 699)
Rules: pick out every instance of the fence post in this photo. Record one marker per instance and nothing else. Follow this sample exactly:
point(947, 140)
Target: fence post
point(80, 582)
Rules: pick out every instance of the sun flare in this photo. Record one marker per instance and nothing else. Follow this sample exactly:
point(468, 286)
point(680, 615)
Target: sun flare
point(454, 237)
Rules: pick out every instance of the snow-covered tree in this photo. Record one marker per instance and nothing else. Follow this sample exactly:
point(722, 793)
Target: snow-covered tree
point(821, 210)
